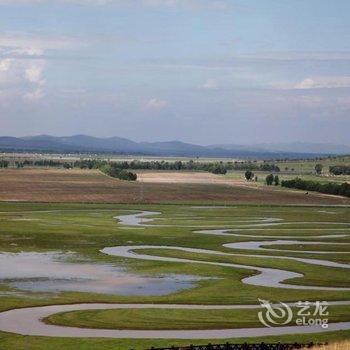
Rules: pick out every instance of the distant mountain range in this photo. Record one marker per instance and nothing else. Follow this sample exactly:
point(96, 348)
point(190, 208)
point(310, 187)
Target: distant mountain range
point(119, 145)
point(310, 147)
point(294, 147)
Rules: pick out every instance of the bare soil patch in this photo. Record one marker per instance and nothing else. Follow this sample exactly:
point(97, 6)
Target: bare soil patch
point(59, 185)
point(178, 177)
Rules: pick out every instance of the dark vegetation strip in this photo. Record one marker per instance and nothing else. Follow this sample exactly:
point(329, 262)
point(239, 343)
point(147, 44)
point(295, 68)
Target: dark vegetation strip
point(340, 169)
point(244, 346)
point(213, 167)
point(327, 188)
point(114, 171)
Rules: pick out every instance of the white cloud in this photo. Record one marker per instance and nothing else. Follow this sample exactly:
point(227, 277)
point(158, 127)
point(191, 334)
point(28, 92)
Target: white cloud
point(323, 82)
point(320, 82)
point(210, 84)
point(5, 64)
point(22, 69)
point(155, 103)
point(34, 74)
point(10, 73)
point(307, 83)
point(34, 95)
point(22, 78)
point(34, 44)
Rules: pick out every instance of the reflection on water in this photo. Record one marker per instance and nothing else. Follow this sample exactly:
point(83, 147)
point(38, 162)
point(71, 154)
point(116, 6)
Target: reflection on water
point(52, 272)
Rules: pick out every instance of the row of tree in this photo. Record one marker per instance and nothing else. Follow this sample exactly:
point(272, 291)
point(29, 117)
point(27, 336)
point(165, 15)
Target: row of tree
point(328, 187)
point(340, 169)
point(216, 167)
point(4, 163)
point(111, 169)
point(89, 163)
point(269, 180)
point(43, 163)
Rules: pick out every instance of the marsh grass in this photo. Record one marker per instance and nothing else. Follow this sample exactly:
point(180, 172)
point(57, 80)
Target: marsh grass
point(87, 228)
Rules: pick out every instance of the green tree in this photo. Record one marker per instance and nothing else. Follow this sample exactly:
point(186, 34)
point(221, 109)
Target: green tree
point(276, 180)
point(248, 175)
point(269, 180)
point(66, 165)
point(218, 169)
point(318, 169)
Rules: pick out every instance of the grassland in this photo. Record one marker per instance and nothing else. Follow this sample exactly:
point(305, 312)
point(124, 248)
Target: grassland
point(86, 228)
point(290, 169)
point(308, 166)
point(239, 176)
point(172, 318)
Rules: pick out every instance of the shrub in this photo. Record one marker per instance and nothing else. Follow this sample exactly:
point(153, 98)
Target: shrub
point(218, 169)
point(318, 169)
point(121, 174)
point(269, 179)
point(340, 169)
point(4, 163)
point(248, 175)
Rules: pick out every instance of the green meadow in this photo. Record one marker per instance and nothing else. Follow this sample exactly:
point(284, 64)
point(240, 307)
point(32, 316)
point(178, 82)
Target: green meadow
point(82, 230)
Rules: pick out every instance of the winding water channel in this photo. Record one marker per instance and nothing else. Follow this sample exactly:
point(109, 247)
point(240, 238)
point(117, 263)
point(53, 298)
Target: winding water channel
point(28, 321)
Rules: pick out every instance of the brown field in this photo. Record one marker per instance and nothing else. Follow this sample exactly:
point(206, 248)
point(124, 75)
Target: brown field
point(190, 178)
point(59, 185)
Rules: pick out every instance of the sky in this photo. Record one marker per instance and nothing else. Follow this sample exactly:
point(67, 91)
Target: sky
point(200, 71)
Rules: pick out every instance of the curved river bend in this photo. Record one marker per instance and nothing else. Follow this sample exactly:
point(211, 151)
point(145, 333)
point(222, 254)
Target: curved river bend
point(28, 321)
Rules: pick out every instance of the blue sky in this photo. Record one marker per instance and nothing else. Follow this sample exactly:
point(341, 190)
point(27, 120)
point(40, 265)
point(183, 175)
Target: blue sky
point(203, 71)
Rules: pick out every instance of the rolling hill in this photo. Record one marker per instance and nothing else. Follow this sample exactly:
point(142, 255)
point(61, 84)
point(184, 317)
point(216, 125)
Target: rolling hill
point(119, 145)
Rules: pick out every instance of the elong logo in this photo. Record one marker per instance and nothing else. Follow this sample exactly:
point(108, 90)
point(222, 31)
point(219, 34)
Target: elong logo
point(273, 314)
point(307, 313)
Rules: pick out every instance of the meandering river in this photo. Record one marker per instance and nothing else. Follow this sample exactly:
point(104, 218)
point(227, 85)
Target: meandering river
point(28, 321)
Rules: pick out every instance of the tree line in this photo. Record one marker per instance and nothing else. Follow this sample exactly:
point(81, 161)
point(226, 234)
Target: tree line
point(213, 167)
point(4, 164)
point(340, 169)
point(327, 188)
point(269, 180)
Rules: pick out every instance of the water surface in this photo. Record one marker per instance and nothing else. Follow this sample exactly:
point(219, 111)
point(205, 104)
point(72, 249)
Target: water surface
point(55, 272)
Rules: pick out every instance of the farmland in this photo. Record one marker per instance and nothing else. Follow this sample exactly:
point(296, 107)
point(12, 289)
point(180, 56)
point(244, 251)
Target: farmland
point(61, 185)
